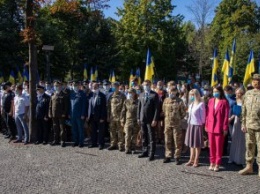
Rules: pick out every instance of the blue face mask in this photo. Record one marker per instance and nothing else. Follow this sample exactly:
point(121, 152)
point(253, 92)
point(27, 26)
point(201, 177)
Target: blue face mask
point(216, 94)
point(113, 89)
point(138, 92)
point(192, 98)
point(228, 95)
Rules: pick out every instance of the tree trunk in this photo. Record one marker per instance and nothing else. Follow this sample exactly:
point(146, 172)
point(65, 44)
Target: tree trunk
point(30, 25)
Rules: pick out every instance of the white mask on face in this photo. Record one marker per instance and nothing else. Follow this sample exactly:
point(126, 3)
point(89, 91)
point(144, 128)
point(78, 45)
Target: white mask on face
point(147, 88)
point(129, 96)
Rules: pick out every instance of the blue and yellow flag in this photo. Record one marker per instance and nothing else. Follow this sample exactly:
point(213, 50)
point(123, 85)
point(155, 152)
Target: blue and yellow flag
point(232, 64)
point(85, 72)
point(96, 73)
point(225, 69)
point(138, 76)
point(92, 75)
point(250, 68)
point(19, 75)
point(131, 77)
point(149, 70)
point(214, 79)
point(12, 77)
point(1, 78)
point(110, 76)
point(25, 74)
point(113, 77)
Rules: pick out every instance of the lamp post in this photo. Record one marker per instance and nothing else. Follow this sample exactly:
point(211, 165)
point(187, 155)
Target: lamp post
point(47, 49)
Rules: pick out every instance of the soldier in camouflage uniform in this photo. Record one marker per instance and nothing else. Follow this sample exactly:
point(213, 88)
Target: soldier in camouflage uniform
point(115, 105)
point(251, 125)
point(129, 121)
point(174, 111)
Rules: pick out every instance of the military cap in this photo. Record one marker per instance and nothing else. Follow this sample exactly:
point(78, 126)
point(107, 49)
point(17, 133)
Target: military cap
point(115, 83)
point(256, 77)
point(131, 90)
point(38, 87)
point(57, 81)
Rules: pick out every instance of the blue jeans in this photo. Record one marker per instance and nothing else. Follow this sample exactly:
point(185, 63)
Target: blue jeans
point(21, 126)
point(77, 130)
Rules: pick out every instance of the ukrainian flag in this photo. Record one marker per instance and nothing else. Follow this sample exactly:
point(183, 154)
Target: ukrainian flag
point(19, 76)
point(225, 69)
point(250, 68)
point(12, 77)
point(214, 79)
point(1, 78)
point(149, 71)
point(92, 75)
point(96, 73)
point(232, 61)
point(25, 74)
point(138, 76)
point(85, 72)
point(131, 77)
point(113, 77)
point(110, 76)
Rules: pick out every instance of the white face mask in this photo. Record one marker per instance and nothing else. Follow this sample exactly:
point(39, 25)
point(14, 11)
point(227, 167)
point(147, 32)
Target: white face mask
point(129, 96)
point(95, 91)
point(147, 88)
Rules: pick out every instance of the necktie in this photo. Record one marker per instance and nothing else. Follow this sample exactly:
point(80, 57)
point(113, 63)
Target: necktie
point(146, 97)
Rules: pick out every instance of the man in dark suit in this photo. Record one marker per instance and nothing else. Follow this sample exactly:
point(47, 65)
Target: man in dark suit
point(97, 115)
point(42, 110)
point(147, 116)
point(58, 111)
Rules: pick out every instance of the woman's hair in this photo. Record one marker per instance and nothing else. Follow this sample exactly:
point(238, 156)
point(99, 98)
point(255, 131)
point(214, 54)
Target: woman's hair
point(241, 90)
point(221, 92)
point(196, 94)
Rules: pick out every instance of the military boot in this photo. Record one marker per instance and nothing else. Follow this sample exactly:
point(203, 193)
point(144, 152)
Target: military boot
point(247, 170)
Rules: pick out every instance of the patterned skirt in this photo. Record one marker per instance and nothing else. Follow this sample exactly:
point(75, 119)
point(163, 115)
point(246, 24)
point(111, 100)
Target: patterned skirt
point(194, 136)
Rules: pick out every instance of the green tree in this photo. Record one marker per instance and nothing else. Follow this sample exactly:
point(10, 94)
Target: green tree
point(147, 24)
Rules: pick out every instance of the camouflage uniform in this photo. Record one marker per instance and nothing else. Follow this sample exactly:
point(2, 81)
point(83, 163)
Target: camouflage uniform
point(115, 105)
point(129, 119)
point(251, 120)
point(174, 112)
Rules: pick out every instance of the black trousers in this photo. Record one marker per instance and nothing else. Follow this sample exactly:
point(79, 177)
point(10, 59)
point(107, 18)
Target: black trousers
point(10, 124)
point(3, 125)
point(97, 133)
point(43, 130)
point(148, 139)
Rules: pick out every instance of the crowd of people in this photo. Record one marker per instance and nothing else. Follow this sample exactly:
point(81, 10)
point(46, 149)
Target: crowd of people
point(134, 116)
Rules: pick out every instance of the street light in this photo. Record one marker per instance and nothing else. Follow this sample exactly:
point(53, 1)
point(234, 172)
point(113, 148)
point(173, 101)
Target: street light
point(47, 49)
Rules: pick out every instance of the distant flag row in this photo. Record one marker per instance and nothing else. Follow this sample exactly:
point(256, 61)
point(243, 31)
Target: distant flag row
point(93, 73)
point(229, 68)
point(16, 76)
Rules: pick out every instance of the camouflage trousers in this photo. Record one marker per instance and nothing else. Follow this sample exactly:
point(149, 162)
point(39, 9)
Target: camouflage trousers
point(117, 136)
point(173, 135)
point(131, 130)
point(252, 140)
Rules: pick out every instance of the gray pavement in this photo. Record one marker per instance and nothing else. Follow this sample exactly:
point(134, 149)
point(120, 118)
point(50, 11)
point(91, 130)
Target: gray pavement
point(46, 169)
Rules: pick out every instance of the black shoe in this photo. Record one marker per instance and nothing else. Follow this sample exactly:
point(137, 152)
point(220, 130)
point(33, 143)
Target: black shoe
point(17, 141)
point(121, 149)
point(75, 145)
point(151, 158)
point(177, 161)
point(92, 146)
point(111, 148)
point(26, 143)
point(128, 152)
point(37, 142)
point(143, 155)
point(54, 143)
point(44, 143)
point(166, 160)
point(101, 147)
point(63, 144)
point(81, 145)
point(7, 136)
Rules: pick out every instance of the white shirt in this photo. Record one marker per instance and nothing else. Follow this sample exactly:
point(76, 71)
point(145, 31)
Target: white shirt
point(20, 102)
point(197, 114)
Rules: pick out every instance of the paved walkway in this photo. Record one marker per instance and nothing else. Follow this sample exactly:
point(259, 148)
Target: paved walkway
point(44, 169)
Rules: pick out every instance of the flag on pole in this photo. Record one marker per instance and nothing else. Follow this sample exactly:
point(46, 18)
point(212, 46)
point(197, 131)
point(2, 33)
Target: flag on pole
point(92, 75)
point(250, 68)
point(149, 70)
point(233, 60)
point(19, 75)
point(25, 74)
point(1, 78)
point(110, 76)
point(96, 73)
point(138, 76)
point(225, 69)
point(113, 77)
point(85, 72)
point(131, 77)
point(12, 77)
point(214, 79)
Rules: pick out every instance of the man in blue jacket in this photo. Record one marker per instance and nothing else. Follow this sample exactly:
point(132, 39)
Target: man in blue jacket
point(77, 114)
